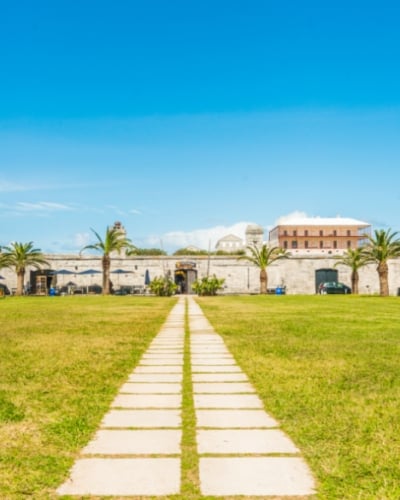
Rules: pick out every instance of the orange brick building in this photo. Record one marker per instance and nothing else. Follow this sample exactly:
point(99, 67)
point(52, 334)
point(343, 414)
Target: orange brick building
point(319, 234)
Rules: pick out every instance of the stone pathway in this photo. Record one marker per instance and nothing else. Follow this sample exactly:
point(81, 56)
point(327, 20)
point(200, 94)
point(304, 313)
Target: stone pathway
point(137, 452)
point(241, 449)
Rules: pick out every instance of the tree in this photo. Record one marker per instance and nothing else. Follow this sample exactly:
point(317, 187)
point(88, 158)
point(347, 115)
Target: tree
point(262, 258)
point(190, 251)
point(354, 259)
point(145, 251)
point(114, 241)
point(381, 247)
point(20, 256)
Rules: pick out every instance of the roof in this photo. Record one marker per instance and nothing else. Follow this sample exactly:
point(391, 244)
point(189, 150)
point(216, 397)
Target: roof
point(321, 221)
point(229, 237)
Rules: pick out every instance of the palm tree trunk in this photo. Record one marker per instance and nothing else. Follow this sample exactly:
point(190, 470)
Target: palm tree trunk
point(20, 282)
point(354, 282)
point(263, 281)
point(106, 261)
point(383, 272)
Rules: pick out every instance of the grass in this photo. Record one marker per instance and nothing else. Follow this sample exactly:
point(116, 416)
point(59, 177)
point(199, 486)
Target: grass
point(62, 362)
point(190, 488)
point(328, 369)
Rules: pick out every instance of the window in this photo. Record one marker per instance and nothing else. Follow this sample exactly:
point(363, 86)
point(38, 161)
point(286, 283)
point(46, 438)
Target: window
point(285, 244)
point(321, 244)
point(294, 244)
point(285, 233)
point(334, 232)
point(348, 232)
point(306, 244)
point(349, 244)
point(295, 233)
point(335, 244)
point(306, 232)
point(321, 233)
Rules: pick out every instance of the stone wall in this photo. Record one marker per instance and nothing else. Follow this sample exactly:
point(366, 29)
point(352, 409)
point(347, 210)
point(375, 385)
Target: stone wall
point(296, 273)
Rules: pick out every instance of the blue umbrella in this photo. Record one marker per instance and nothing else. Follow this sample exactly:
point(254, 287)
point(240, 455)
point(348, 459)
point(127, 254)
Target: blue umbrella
point(120, 271)
point(64, 271)
point(90, 271)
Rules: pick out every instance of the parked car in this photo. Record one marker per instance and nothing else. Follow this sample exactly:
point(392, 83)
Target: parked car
point(331, 287)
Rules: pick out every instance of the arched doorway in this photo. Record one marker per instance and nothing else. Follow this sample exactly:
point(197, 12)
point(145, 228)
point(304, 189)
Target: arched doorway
point(185, 275)
point(324, 275)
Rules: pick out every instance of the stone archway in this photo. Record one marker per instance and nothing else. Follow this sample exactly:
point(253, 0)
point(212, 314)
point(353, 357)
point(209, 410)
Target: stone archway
point(185, 275)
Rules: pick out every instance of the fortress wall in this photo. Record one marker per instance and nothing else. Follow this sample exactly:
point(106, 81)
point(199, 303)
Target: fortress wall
point(296, 273)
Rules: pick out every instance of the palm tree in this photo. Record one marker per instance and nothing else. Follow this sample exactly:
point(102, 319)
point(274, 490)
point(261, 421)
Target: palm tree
point(262, 258)
point(354, 259)
point(381, 247)
point(20, 256)
point(114, 241)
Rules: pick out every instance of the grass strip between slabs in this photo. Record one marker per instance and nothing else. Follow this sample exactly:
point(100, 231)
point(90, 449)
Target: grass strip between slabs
point(190, 461)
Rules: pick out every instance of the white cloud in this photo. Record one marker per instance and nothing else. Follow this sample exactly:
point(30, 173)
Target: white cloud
point(293, 216)
point(82, 239)
point(201, 238)
point(116, 210)
point(9, 187)
point(135, 211)
point(42, 206)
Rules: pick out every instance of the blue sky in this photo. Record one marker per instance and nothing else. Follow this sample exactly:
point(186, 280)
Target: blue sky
point(186, 120)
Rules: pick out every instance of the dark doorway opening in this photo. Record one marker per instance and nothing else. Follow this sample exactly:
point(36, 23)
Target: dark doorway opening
point(185, 276)
point(324, 275)
point(41, 281)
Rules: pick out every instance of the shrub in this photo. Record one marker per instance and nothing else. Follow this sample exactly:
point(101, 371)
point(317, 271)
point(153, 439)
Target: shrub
point(162, 286)
point(209, 285)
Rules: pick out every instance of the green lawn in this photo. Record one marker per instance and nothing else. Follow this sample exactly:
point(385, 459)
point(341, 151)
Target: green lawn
point(62, 360)
point(328, 368)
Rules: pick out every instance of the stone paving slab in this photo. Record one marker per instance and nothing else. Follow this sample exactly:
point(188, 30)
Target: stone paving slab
point(142, 418)
point(214, 362)
point(156, 377)
point(206, 338)
point(134, 442)
point(161, 362)
point(256, 476)
point(244, 441)
point(123, 476)
point(210, 355)
point(234, 419)
point(165, 351)
point(148, 388)
point(219, 377)
point(227, 401)
point(163, 356)
point(216, 351)
point(207, 341)
point(147, 401)
point(158, 369)
point(222, 388)
point(215, 369)
point(168, 339)
point(164, 344)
